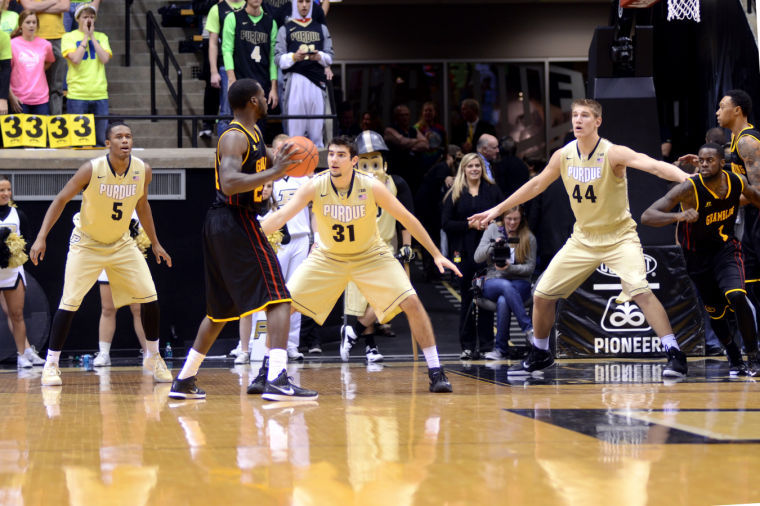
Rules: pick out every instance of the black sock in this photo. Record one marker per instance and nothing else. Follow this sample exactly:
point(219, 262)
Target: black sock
point(149, 315)
point(733, 352)
point(59, 330)
point(369, 340)
point(354, 322)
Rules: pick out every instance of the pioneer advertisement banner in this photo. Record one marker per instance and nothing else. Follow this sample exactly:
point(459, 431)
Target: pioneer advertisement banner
point(591, 323)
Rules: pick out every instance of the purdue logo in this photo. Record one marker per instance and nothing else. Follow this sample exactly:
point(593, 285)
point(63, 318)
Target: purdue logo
point(118, 191)
point(344, 214)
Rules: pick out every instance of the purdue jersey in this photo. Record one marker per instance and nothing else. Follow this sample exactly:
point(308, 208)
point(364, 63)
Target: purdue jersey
point(311, 37)
point(717, 214)
point(598, 197)
point(346, 222)
point(254, 160)
point(253, 47)
point(109, 199)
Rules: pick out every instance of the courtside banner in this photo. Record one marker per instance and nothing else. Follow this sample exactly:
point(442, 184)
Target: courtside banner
point(591, 323)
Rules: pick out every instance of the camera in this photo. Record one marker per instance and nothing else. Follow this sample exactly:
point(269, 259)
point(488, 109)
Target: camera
point(500, 252)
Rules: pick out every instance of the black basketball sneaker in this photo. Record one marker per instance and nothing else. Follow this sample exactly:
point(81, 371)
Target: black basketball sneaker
point(439, 383)
point(281, 389)
point(536, 360)
point(186, 389)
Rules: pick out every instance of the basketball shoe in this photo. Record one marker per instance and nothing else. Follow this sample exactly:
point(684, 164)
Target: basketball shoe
point(51, 375)
point(186, 389)
point(347, 341)
point(676, 366)
point(281, 389)
point(33, 357)
point(373, 355)
point(257, 385)
point(157, 366)
point(536, 360)
point(102, 360)
point(439, 383)
point(736, 366)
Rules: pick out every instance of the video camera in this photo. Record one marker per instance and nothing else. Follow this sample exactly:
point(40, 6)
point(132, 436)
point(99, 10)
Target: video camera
point(501, 251)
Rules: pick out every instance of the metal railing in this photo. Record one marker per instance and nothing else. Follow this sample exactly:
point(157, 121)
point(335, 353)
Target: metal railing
point(128, 32)
point(153, 30)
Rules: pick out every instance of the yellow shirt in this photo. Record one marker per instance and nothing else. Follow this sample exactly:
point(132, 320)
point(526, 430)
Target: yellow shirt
point(598, 197)
point(346, 221)
point(50, 25)
point(109, 200)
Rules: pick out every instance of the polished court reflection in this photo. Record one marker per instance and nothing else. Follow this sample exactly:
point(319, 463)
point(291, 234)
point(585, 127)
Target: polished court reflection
point(584, 433)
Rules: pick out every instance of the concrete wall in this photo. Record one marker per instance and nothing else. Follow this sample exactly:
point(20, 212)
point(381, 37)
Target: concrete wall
point(398, 32)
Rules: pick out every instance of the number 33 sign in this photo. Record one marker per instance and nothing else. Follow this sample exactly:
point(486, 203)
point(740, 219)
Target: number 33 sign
point(31, 130)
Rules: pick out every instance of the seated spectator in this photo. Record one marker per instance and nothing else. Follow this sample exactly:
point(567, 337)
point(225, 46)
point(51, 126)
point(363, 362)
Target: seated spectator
point(69, 16)
point(467, 133)
point(435, 134)
point(8, 18)
point(32, 55)
point(303, 51)
point(87, 53)
point(472, 192)
point(508, 278)
point(405, 142)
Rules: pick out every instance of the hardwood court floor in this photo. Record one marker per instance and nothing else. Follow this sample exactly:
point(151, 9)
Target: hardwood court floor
point(586, 433)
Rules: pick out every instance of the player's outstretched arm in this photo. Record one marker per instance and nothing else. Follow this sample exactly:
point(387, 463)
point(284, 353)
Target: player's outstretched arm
point(145, 214)
point(75, 185)
point(300, 199)
point(391, 204)
point(660, 212)
point(749, 151)
point(623, 156)
point(529, 190)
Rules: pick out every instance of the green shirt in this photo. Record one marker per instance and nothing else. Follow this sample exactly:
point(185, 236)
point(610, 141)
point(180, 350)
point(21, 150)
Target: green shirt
point(5, 46)
point(86, 80)
point(8, 21)
point(212, 21)
point(228, 43)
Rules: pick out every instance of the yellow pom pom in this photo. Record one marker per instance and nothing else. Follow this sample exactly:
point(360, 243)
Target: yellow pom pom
point(275, 238)
point(17, 246)
point(142, 241)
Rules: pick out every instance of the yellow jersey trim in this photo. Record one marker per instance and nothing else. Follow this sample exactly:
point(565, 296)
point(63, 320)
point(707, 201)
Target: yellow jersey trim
point(221, 320)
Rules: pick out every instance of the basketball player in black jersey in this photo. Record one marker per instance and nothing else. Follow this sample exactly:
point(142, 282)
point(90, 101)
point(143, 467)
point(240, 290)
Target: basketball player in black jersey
point(243, 275)
point(709, 203)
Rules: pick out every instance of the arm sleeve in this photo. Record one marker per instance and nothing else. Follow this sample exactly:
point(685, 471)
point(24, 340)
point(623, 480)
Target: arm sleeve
point(484, 247)
point(5, 78)
point(283, 58)
point(228, 41)
point(272, 62)
point(327, 49)
point(525, 269)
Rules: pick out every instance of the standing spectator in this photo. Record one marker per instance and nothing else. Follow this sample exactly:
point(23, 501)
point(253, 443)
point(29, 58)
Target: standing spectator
point(508, 279)
point(370, 121)
point(5, 72)
point(214, 24)
point(405, 142)
point(249, 37)
point(488, 147)
point(50, 20)
point(32, 55)
point(510, 172)
point(303, 50)
point(472, 189)
point(435, 134)
point(210, 93)
point(347, 124)
point(8, 18)
point(467, 133)
point(87, 52)
point(69, 16)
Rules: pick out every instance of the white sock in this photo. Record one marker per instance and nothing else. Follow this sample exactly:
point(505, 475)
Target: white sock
point(105, 347)
point(152, 350)
point(53, 357)
point(431, 356)
point(192, 363)
point(278, 359)
point(669, 341)
point(541, 344)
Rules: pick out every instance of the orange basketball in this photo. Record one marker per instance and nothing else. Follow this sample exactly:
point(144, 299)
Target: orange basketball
point(305, 154)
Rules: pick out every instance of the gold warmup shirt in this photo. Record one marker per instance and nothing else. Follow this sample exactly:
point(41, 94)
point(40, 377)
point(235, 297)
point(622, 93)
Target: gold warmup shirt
point(109, 199)
point(598, 197)
point(346, 221)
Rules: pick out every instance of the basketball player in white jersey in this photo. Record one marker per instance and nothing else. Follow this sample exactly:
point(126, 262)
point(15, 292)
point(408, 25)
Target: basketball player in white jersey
point(112, 186)
point(593, 171)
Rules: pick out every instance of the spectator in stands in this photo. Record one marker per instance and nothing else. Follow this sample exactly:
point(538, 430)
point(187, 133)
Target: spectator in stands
point(303, 51)
point(5, 71)
point(69, 18)
point(467, 133)
point(50, 28)
point(472, 190)
point(32, 55)
point(8, 18)
point(214, 25)
point(347, 124)
point(508, 279)
point(201, 9)
point(405, 142)
point(488, 147)
point(370, 121)
point(435, 134)
point(249, 37)
point(283, 10)
point(87, 52)
point(510, 172)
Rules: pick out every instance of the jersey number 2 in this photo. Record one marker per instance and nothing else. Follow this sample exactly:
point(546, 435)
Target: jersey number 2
point(588, 196)
point(340, 233)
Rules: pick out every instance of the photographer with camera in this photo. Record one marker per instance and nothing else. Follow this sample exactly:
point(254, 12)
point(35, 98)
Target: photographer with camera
point(509, 249)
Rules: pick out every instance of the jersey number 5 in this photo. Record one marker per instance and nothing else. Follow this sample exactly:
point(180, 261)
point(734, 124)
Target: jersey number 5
point(340, 233)
point(588, 196)
point(117, 213)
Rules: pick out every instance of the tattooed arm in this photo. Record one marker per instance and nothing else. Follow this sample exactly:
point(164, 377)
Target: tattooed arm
point(749, 151)
point(659, 213)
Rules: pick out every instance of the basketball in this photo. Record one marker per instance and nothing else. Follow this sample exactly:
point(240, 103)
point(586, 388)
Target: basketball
point(305, 154)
